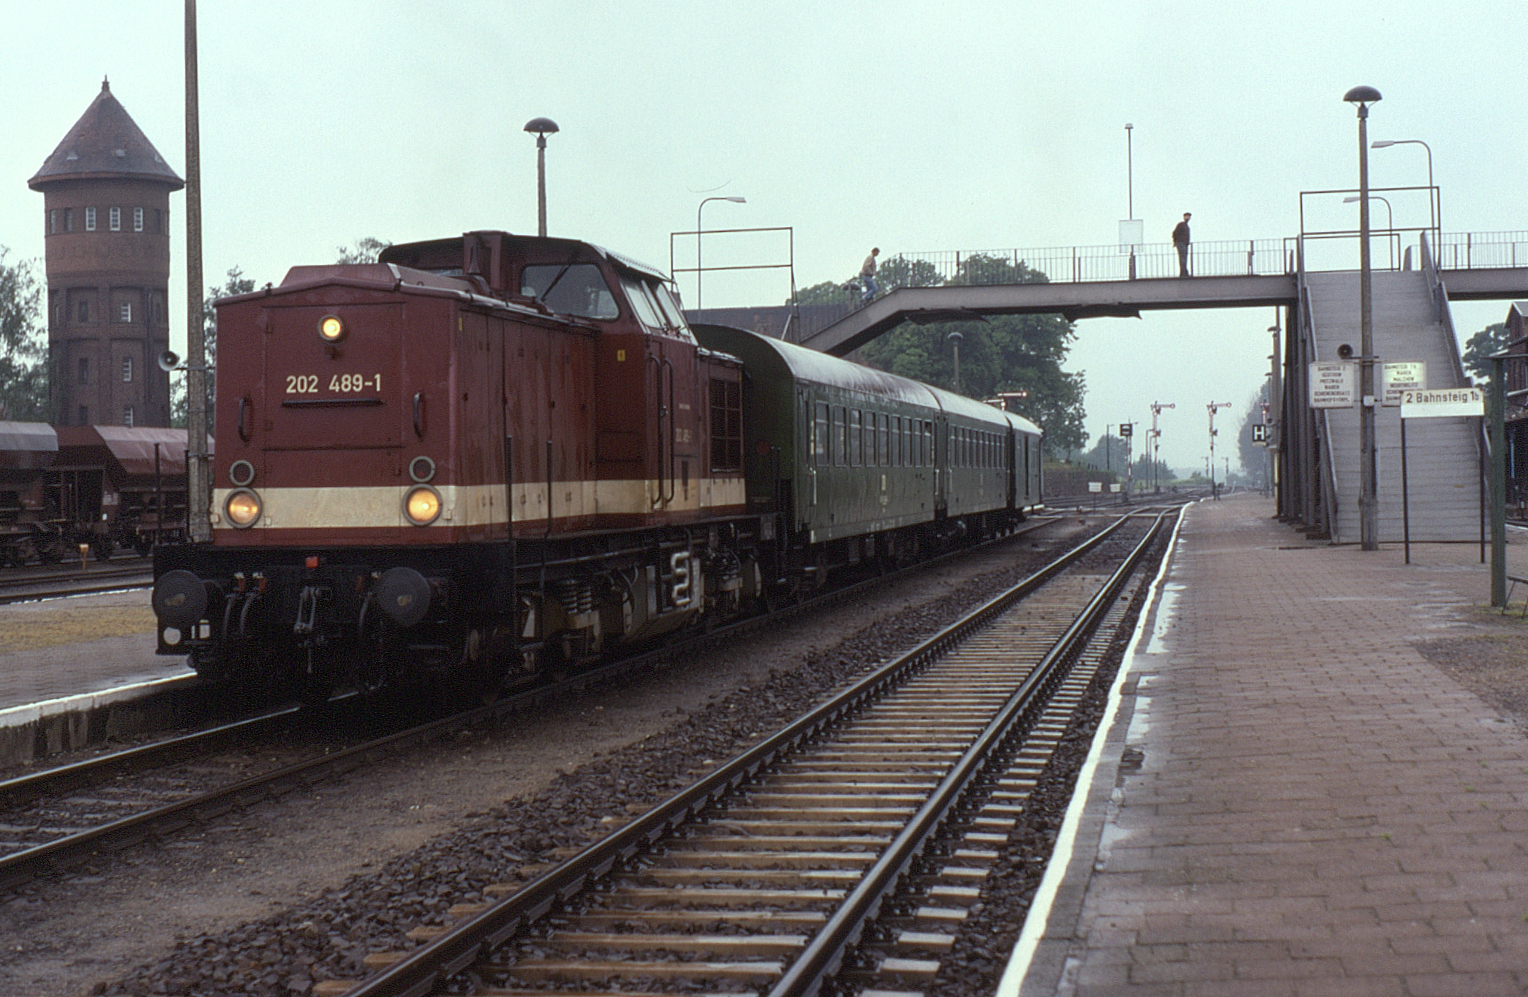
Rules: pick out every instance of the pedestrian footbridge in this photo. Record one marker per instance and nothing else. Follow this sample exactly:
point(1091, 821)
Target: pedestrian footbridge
point(1317, 450)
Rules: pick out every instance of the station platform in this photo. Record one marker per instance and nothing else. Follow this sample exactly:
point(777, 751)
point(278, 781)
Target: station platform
point(75, 670)
point(1290, 797)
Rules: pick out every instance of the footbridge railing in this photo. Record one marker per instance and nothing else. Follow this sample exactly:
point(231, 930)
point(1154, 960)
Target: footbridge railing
point(1079, 264)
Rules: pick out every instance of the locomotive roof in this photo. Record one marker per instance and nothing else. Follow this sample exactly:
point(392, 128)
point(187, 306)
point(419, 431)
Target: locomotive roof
point(25, 445)
point(412, 253)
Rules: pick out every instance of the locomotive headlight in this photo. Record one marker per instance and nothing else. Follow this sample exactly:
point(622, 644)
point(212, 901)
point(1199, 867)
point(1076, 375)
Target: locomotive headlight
point(242, 508)
point(422, 505)
point(331, 329)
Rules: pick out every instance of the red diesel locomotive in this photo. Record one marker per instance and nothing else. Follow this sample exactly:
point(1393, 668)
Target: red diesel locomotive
point(486, 456)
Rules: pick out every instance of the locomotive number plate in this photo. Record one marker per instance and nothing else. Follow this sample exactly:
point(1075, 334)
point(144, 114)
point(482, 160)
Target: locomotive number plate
point(307, 384)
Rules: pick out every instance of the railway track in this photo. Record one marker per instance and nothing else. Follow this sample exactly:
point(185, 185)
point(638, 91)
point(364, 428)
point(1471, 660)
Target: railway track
point(30, 584)
point(54, 818)
point(846, 848)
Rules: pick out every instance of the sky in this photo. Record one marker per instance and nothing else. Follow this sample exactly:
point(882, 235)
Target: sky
point(909, 126)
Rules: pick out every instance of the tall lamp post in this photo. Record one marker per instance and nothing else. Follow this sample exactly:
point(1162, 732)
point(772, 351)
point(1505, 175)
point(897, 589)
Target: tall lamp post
point(698, 271)
point(1214, 492)
point(1368, 499)
point(542, 127)
point(1434, 203)
point(1156, 442)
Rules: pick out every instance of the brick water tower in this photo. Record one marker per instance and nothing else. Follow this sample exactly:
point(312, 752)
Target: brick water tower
point(106, 196)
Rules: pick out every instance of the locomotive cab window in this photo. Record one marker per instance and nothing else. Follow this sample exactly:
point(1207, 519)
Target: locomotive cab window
point(570, 289)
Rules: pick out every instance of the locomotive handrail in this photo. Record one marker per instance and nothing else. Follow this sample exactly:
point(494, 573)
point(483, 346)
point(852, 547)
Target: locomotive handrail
point(418, 413)
point(669, 495)
point(313, 403)
point(244, 405)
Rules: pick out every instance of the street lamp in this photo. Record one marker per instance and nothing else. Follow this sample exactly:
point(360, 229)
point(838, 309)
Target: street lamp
point(1368, 498)
point(1434, 203)
point(704, 201)
point(1389, 222)
point(542, 127)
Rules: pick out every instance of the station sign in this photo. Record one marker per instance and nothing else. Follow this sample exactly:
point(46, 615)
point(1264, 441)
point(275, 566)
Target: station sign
point(1260, 433)
point(1398, 376)
point(1333, 384)
point(1442, 402)
point(1096, 486)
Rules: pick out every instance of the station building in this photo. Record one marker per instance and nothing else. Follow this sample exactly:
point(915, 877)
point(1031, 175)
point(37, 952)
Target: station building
point(106, 214)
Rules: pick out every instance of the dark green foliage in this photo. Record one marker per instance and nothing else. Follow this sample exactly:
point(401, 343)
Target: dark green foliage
point(23, 344)
point(1479, 347)
point(361, 251)
point(236, 283)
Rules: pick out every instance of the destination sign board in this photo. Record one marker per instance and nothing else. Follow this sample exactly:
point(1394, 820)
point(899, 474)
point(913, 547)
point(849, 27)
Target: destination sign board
point(1333, 384)
point(1442, 402)
point(1398, 376)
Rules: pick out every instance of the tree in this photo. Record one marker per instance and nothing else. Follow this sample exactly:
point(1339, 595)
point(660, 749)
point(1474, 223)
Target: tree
point(362, 250)
point(23, 344)
point(236, 283)
point(1253, 456)
point(1492, 339)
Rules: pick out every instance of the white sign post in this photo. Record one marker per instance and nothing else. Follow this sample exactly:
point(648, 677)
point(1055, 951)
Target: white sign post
point(1333, 384)
point(1398, 376)
point(1437, 403)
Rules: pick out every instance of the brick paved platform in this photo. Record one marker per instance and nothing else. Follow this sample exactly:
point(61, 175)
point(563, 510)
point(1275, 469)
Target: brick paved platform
point(1292, 799)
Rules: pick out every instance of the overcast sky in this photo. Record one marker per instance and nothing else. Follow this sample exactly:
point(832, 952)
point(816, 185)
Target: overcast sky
point(908, 126)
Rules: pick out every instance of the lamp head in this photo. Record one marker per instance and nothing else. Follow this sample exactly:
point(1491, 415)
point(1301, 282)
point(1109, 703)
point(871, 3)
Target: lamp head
point(737, 199)
point(541, 126)
point(1362, 96)
point(1383, 143)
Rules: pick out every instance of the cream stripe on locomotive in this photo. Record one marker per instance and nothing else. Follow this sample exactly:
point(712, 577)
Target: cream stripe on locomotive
point(480, 505)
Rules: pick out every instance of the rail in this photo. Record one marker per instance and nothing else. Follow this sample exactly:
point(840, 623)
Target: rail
point(421, 970)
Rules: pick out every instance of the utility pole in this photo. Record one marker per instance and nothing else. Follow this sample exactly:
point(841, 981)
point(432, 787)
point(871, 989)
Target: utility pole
point(1155, 443)
point(198, 494)
point(1214, 491)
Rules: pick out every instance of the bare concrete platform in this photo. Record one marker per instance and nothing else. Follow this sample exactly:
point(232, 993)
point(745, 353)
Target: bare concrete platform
point(76, 671)
point(1291, 800)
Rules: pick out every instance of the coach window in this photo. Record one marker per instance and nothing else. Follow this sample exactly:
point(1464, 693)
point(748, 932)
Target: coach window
point(820, 434)
point(856, 451)
point(837, 432)
point(570, 289)
point(883, 423)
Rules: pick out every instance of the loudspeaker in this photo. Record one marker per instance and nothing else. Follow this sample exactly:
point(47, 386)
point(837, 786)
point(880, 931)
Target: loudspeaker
point(168, 361)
